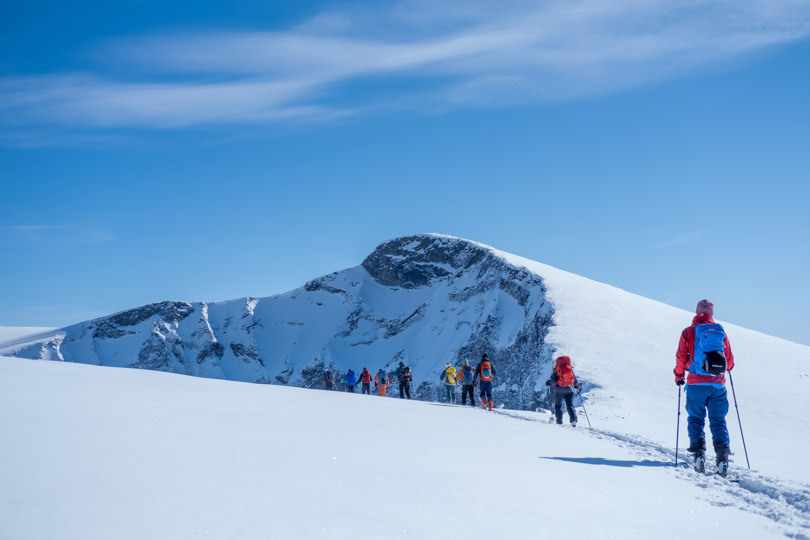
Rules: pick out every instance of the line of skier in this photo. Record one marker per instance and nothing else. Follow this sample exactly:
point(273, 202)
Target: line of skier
point(466, 377)
point(702, 360)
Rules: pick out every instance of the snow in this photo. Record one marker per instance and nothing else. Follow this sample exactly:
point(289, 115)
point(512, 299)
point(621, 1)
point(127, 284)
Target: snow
point(95, 452)
point(13, 333)
point(103, 453)
point(625, 344)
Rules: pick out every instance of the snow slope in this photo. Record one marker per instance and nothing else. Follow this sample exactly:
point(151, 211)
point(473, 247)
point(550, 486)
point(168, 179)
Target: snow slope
point(625, 346)
point(14, 333)
point(98, 453)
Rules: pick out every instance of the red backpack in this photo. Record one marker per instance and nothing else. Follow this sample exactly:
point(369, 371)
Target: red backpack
point(486, 371)
point(564, 371)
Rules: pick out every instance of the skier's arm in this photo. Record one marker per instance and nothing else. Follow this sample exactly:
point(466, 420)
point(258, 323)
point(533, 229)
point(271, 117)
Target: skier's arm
point(729, 354)
point(683, 357)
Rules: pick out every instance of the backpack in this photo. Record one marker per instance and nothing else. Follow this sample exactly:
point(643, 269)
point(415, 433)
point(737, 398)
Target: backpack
point(468, 373)
point(564, 371)
point(710, 357)
point(382, 378)
point(450, 375)
point(486, 371)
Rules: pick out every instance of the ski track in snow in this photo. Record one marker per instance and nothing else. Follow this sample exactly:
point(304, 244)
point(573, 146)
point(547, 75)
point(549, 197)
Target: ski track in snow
point(786, 503)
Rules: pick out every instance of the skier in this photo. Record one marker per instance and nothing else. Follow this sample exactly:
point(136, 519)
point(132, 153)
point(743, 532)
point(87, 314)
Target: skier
point(448, 376)
point(365, 379)
point(705, 353)
point(563, 381)
point(465, 377)
point(351, 380)
point(484, 372)
point(381, 381)
point(329, 380)
point(403, 374)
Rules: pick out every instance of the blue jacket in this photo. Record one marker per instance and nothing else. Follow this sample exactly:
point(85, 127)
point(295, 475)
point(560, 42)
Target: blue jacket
point(351, 378)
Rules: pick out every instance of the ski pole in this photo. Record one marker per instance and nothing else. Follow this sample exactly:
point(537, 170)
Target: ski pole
point(678, 427)
point(733, 393)
point(581, 402)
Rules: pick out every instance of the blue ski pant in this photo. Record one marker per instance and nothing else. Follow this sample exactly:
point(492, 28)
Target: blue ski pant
point(700, 399)
point(486, 390)
point(450, 392)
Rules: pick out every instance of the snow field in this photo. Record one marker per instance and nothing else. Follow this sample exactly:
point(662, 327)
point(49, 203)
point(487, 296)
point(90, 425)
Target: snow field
point(98, 453)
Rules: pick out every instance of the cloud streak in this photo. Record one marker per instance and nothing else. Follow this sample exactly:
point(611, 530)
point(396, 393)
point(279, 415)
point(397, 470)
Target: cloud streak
point(65, 235)
point(423, 55)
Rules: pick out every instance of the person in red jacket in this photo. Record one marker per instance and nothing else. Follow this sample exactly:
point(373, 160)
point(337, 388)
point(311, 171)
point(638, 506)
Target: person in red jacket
point(705, 391)
point(561, 386)
point(365, 378)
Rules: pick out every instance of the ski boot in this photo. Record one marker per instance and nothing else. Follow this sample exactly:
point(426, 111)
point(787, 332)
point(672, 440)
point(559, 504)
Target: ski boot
point(698, 451)
point(490, 404)
point(722, 451)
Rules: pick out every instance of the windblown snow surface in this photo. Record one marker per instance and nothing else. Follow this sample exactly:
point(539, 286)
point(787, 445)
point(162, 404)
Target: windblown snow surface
point(94, 452)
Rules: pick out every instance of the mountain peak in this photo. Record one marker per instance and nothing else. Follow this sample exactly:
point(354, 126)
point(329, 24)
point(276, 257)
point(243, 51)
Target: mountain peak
point(419, 260)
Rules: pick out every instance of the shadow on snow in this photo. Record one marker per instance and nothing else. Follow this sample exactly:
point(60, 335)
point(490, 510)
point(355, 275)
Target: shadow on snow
point(614, 462)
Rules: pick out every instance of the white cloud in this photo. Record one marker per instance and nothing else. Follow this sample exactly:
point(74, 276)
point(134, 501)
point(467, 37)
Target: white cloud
point(456, 54)
point(66, 235)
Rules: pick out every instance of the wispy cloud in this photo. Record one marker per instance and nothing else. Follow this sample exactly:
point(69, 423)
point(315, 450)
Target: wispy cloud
point(683, 240)
point(450, 54)
point(66, 235)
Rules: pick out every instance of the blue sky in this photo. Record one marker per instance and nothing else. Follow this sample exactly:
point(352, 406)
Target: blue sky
point(196, 151)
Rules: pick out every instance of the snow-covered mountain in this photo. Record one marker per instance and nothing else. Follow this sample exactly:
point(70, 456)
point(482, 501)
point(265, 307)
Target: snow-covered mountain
point(430, 299)
point(425, 300)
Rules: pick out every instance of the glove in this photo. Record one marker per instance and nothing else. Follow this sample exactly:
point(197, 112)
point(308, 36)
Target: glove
point(578, 386)
point(679, 380)
point(548, 383)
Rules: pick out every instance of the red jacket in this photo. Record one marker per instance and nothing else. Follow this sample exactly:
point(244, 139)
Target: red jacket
point(686, 351)
point(365, 377)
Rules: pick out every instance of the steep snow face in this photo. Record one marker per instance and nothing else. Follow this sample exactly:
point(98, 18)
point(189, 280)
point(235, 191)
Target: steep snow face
point(424, 300)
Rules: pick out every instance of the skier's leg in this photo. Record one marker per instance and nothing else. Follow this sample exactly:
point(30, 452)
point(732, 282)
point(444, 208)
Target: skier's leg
point(718, 408)
point(696, 397)
point(572, 412)
point(558, 399)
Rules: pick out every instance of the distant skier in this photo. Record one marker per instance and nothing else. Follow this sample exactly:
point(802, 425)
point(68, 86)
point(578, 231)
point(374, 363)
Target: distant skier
point(705, 353)
point(381, 381)
point(403, 374)
point(448, 377)
point(351, 380)
point(484, 372)
point(365, 380)
point(329, 380)
point(563, 381)
point(465, 375)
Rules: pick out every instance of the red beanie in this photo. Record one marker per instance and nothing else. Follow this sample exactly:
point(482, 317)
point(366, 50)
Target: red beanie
point(704, 306)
